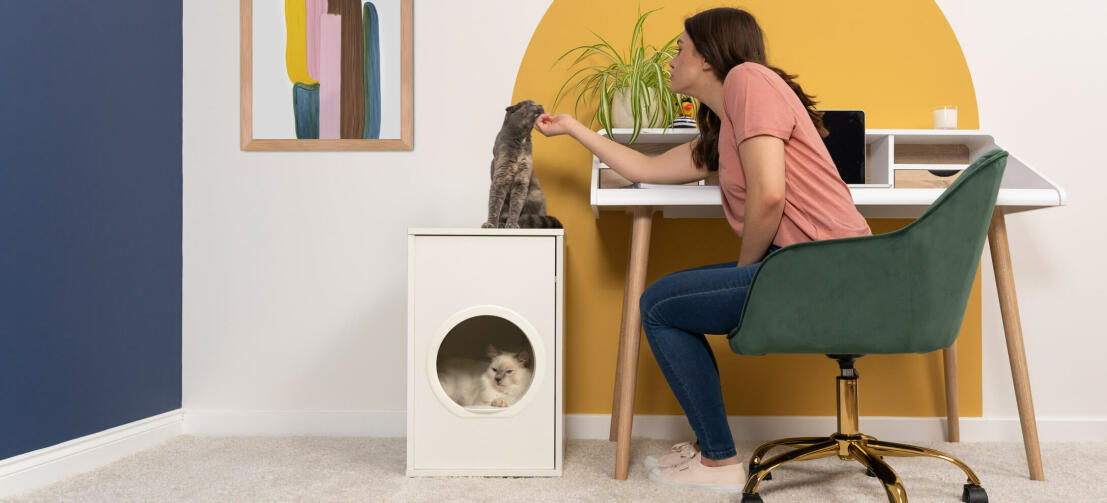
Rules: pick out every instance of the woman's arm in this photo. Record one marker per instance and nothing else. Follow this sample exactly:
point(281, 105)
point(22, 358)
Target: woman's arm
point(674, 166)
point(763, 165)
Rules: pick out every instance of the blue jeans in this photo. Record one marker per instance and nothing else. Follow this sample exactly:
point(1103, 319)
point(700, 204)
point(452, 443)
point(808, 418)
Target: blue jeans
point(677, 310)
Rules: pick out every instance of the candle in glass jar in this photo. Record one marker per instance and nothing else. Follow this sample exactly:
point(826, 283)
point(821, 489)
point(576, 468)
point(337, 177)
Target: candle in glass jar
point(945, 117)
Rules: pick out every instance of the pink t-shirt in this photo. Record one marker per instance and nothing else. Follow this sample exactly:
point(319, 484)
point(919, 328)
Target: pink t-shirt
point(817, 203)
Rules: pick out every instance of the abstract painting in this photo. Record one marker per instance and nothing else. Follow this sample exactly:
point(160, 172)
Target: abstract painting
point(326, 75)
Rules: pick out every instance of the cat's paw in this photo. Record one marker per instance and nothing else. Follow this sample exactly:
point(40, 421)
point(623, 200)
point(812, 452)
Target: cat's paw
point(511, 226)
point(499, 402)
point(488, 225)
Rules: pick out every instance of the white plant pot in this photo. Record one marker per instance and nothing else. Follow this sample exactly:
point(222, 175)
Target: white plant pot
point(620, 111)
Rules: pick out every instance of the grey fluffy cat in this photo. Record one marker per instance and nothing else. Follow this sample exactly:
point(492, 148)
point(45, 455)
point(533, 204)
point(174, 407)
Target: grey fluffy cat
point(515, 200)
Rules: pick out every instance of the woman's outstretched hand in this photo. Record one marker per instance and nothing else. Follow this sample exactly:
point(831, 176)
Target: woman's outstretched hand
point(553, 125)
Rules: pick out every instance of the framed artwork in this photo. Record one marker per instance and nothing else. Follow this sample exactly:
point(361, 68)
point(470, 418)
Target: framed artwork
point(326, 75)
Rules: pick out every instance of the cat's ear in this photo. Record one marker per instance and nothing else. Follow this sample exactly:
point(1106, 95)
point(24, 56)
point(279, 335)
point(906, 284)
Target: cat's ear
point(523, 357)
point(492, 351)
point(514, 107)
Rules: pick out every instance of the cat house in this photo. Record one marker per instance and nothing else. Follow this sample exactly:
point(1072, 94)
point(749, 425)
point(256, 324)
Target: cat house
point(484, 366)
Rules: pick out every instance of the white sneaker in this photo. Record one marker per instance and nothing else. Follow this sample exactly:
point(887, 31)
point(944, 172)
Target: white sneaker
point(692, 473)
point(678, 454)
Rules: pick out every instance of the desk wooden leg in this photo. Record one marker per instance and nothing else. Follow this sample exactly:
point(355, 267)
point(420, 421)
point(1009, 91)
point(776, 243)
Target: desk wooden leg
point(622, 343)
point(1012, 329)
point(953, 415)
point(630, 337)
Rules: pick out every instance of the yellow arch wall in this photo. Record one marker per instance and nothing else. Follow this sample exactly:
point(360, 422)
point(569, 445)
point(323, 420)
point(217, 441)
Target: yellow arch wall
point(896, 60)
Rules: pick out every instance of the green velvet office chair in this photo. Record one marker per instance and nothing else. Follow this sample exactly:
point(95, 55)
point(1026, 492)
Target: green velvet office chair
point(900, 292)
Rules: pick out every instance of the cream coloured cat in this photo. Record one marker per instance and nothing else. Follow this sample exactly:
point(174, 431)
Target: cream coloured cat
point(498, 383)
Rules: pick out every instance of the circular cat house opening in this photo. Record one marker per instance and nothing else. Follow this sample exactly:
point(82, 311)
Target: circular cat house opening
point(486, 360)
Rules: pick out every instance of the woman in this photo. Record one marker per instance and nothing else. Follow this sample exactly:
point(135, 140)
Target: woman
point(779, 186)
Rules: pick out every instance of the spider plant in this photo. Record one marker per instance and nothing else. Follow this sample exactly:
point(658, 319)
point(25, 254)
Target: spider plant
point(641, 74)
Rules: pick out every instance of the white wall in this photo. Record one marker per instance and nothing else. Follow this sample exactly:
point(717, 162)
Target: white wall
point(295, 263)
point(1040, 81)
point(295, 274)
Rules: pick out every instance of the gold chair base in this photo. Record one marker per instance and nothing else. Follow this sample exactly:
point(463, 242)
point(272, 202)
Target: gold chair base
point(861, 448)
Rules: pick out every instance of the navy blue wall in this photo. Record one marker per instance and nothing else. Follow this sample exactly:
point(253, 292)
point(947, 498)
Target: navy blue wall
point(90, 217)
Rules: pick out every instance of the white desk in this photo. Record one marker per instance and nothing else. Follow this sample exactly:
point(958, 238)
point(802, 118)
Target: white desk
point(1022, 189)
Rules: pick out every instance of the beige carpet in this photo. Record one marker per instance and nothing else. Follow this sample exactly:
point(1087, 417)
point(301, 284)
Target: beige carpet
point(245, 469)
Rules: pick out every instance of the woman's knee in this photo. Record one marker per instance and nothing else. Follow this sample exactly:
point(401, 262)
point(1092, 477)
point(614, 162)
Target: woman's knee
point(647, 304)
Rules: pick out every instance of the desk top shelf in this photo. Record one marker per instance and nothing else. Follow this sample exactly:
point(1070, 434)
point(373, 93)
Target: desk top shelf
point(889, 154)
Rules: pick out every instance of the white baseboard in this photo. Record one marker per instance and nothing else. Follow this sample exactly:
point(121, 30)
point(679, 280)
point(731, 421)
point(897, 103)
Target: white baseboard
point(1059, 429)
point(900, 429)
point(386, 423)
point(328, 423)
point(45, 466)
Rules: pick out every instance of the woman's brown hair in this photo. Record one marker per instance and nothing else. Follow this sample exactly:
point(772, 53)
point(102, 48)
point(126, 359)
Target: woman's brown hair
point(726, 38)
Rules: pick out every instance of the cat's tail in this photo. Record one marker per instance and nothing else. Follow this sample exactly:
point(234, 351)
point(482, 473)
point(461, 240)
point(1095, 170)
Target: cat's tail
point(539, 222)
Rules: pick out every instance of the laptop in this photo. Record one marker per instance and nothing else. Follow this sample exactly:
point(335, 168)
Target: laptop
point(846, 143)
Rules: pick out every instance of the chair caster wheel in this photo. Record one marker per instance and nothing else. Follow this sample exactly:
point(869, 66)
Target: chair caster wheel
point(753, 468)
point(974, 494)
point(751, 498)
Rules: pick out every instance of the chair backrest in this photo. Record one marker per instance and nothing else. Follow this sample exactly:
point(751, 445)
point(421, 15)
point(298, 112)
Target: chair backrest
point(899, 292)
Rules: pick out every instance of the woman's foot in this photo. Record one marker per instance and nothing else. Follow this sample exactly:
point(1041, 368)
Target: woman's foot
point(693, 473)
point(678, 454)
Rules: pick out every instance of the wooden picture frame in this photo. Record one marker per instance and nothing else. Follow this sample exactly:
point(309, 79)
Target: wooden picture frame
point(246, 105)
